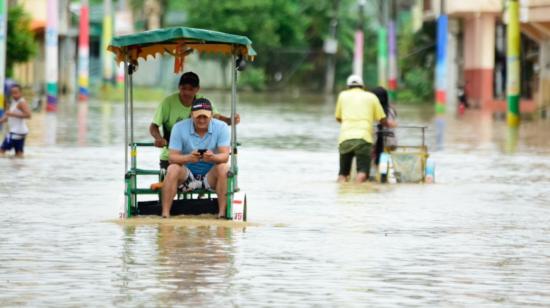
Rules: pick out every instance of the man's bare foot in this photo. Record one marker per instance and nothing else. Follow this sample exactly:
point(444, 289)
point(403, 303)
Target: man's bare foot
point(165, 215)
point(361, 177)
point(342, 179)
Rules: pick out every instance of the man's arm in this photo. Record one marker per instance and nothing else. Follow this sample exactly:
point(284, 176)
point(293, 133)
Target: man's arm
point(227, 120)
point(338, 110)
point(155, 132)
point(25, 110)
point(176, 157)
point(390, 123)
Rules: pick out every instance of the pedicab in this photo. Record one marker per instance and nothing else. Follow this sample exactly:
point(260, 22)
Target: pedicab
point(407, 161)
point(178, 42)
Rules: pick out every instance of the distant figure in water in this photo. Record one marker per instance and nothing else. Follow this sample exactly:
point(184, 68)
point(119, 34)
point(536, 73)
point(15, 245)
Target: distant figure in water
point(18, 111)
point(462, 100)
point(357, 110)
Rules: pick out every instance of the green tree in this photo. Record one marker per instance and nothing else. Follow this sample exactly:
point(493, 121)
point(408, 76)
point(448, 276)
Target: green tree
point(287, 34)
point(269, 24)
point(21, 44)
point(417, 64)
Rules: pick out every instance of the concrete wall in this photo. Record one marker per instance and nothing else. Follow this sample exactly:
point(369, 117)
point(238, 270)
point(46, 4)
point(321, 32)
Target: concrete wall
point(462, 7)
point(479, 35)
point(479, 57)
point(459, 7)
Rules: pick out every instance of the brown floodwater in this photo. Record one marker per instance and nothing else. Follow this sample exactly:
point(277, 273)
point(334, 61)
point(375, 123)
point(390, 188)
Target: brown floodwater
point(479, 236)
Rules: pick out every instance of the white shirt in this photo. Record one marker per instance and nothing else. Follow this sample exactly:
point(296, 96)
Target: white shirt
point(17, 125)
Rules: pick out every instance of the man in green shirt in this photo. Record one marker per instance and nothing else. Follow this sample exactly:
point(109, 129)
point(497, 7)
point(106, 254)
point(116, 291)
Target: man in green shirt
point(177, 107)
point(357, 110)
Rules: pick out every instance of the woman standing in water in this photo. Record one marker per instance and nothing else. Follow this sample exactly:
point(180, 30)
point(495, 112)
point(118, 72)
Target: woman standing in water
point(18, 111)
point(385, 136)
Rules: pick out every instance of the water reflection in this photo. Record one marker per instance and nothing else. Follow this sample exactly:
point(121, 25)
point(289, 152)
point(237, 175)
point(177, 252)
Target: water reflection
point(50, 128)
point(512, 137)
point(185, 265)
point(82, 123)
point(106, 129)
point(440, 124)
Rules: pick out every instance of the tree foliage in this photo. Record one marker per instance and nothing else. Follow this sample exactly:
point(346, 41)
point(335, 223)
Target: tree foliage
point(21, 45)
point(288, 34)
point(417, 63)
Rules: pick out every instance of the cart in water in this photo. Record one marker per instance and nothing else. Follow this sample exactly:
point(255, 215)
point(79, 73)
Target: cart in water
point(408, 160)
point(178, 42)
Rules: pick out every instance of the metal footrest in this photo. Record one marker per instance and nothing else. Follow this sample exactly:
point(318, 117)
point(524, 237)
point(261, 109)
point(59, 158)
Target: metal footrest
point(180, 207)
point(146, 172)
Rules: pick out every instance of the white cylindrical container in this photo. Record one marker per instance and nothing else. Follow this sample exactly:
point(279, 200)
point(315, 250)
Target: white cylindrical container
point(430, 170)
point(237, 210)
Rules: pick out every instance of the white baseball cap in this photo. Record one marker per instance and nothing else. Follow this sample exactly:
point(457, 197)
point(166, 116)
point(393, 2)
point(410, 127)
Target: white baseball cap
point(354, 80)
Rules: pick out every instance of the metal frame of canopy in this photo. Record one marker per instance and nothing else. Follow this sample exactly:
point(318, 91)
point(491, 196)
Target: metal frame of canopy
point(178, 42)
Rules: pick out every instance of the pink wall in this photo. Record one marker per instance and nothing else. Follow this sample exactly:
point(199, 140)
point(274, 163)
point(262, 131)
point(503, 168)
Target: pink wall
point(479, 57)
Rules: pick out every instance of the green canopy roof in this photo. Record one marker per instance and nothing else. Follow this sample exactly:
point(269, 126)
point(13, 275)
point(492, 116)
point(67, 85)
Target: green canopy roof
point(177, 40)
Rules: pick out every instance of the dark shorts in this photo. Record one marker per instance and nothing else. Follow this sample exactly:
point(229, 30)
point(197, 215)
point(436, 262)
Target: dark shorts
point(164, 164)
point(358, 148)
point(10, 143)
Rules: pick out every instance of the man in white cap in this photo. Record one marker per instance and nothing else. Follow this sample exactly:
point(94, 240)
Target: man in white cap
point(199, 151)
point(357, 110)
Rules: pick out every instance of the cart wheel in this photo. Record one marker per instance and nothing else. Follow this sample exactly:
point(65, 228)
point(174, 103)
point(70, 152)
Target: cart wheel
point(244, 209)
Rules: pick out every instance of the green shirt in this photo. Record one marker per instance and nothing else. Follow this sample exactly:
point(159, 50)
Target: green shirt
point(358, 110)
point(168, 113)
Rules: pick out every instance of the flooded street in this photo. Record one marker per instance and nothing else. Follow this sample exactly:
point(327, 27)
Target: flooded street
point(479, 236)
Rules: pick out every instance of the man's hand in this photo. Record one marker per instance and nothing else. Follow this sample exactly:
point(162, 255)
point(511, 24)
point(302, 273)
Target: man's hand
point(160, 142)
point(209, 156)
point(237, 118)
point(194, 157)
point(227, 120)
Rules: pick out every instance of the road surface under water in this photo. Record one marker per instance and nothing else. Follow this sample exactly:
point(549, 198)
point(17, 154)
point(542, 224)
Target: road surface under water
point(479, 236)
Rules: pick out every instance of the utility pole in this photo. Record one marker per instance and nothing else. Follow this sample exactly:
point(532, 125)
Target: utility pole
point(441, 61)
point(513, 64)
point(359, 41)
point(52, 49)
point(382, 45)
point(83, 52)
point(123, 26)
point(392, 29)
point(105, 40)
point(3, 40)
point(330, 48)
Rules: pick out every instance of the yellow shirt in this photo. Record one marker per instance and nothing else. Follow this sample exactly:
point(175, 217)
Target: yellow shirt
point(358, 111)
